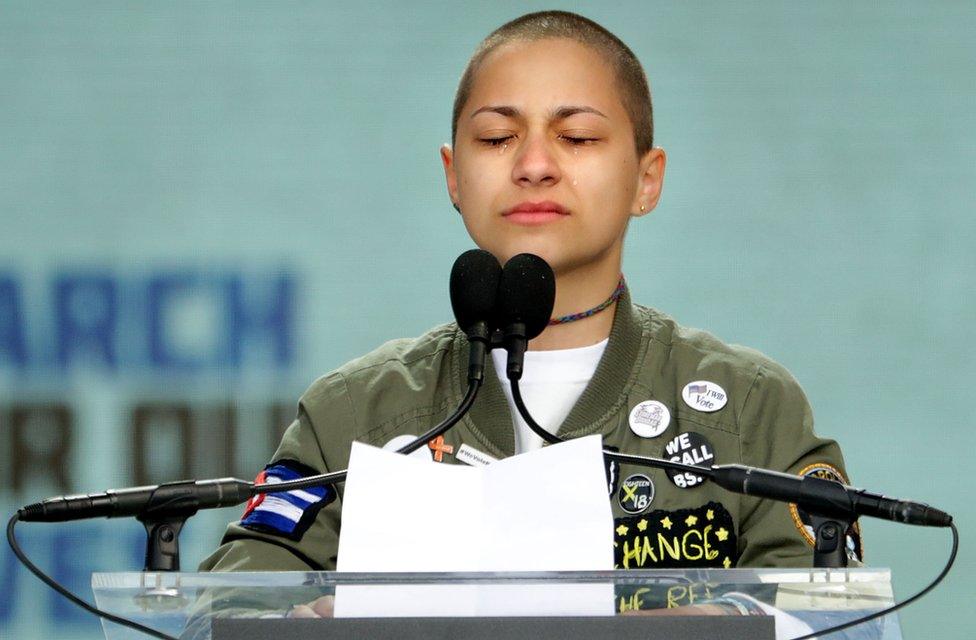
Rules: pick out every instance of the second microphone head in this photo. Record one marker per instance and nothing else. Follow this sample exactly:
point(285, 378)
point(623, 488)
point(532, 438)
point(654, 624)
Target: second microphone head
point(526, 294)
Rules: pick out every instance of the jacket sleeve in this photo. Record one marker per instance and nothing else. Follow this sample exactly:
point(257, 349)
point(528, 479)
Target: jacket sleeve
point(776, 428)
point(310, 540)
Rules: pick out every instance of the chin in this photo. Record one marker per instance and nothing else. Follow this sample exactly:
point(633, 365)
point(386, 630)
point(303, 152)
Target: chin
point(535, 246)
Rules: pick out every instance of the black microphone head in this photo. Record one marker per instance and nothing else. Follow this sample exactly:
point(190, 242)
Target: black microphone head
point(474, 288)
point(526, 294)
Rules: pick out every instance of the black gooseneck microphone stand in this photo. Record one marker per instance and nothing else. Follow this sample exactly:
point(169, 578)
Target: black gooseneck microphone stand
point(526, 295)
point(834, 555)
point(164, 509)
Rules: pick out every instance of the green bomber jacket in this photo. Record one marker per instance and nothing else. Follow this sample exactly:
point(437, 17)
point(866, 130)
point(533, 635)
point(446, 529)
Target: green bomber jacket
point(659, 390)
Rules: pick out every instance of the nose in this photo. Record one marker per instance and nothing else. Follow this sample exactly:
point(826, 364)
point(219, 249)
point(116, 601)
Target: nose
point(535, 163)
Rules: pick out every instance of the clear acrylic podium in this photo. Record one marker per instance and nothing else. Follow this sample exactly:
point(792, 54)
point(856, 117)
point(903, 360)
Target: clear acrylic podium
point(563, 605)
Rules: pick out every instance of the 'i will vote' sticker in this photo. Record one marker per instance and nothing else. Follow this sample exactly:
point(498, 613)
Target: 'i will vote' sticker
point(703, 395)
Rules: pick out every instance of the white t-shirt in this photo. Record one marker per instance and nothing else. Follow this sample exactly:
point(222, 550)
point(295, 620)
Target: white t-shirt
point(552, 382)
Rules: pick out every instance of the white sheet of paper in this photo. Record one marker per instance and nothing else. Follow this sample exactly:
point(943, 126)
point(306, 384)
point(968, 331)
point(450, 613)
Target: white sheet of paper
point(546, 510)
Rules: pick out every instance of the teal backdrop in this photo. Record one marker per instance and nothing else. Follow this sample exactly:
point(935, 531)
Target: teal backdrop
point(207, 205)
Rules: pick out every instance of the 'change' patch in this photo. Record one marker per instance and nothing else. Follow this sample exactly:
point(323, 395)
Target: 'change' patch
point(290, 513)
point(700, 537)
point(803, 522)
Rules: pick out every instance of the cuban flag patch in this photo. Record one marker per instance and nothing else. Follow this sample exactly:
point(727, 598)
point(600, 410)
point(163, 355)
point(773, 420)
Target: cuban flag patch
point(290, 513)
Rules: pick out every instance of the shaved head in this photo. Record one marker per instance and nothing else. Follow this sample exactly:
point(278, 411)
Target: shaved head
point(631, 80)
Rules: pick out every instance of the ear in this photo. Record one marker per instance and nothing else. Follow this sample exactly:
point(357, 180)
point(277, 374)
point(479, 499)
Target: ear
point(650, 180)
point(450, 174)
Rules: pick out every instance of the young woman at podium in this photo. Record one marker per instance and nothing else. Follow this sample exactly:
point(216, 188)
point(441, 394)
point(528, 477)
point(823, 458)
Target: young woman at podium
point(553, 153)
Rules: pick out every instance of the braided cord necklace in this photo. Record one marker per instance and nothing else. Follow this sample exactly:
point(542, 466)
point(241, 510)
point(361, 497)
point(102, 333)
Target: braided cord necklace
point(573, 317)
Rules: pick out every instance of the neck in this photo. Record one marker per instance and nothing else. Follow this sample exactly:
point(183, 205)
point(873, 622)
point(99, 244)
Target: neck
point(576, 291)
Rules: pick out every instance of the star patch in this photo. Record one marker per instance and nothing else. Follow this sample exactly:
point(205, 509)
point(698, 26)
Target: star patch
point(288, 514)
point(803, 522)
point(700, 537)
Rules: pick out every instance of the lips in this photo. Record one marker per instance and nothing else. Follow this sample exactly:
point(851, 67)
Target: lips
point(535, 212)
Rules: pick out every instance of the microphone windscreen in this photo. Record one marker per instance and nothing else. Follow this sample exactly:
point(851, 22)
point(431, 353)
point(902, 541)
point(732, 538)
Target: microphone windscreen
point(526, 293)
point(474, 287)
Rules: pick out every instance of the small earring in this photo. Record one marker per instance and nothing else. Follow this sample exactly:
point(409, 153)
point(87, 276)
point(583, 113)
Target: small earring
point(642, 208)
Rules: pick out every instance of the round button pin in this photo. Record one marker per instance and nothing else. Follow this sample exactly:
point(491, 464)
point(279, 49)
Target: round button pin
point(636, 493)
point(703, 395)
point(689, 448)
point(649, 419)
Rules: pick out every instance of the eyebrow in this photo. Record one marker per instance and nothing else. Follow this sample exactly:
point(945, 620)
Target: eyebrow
point(558, 113)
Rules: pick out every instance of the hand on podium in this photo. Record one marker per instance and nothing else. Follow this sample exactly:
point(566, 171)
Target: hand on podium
point(734, 604)
point(320, 608)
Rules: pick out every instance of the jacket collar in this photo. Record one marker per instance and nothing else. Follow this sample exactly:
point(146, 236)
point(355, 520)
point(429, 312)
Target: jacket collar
point(490, 419)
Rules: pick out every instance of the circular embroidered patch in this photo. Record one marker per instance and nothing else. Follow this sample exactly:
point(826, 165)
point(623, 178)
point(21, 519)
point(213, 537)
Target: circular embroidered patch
point(802, 521)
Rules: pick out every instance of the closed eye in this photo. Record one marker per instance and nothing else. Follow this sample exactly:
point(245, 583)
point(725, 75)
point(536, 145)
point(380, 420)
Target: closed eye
point(576, 140)
point(494, 142)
